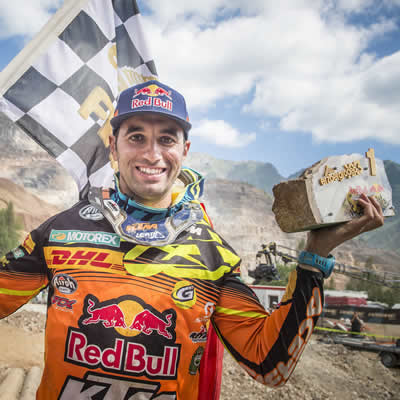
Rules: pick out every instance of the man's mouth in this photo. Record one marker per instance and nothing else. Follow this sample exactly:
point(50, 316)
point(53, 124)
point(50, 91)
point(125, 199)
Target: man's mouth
point(151, 171)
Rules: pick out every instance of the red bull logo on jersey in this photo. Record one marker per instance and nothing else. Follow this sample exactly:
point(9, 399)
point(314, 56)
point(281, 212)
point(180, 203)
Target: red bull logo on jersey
point(147, 323)
point(109, 316)
point(131, 317)
point(124, 357)
point(125, 335)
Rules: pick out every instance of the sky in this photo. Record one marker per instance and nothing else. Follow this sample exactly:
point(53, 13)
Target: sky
point(287, 82)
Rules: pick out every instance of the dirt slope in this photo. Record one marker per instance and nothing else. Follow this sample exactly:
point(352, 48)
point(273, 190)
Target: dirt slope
point(325, 371)
point(30, 208)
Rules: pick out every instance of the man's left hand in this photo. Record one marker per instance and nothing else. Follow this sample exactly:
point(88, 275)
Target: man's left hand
point(323, 241)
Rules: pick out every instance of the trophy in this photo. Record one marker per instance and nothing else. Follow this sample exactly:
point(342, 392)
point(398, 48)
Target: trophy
point(327, 192)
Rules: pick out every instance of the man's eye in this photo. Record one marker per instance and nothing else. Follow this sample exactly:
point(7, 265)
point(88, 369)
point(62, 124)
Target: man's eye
point(167, 140)
point(136, 137)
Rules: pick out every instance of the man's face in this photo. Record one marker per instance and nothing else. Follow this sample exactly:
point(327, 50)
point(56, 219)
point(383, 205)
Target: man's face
point(150, 150)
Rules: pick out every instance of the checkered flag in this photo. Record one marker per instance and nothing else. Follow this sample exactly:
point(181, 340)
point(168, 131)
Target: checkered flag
point(62, 88)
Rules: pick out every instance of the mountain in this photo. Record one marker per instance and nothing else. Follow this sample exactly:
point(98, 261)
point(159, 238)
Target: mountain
point(237, 197)
point(25, 163)
point(387, 237)
point(262, 175)
point(31, 209)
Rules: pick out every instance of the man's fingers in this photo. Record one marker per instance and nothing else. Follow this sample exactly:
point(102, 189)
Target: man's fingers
point(372, 217)
point(324, 240)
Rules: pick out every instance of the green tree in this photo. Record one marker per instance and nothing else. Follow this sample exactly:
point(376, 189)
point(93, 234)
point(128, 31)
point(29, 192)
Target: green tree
point(376, 291)
point(301, 244)
point(10, 226)
point(284, 271)
point(331, 284)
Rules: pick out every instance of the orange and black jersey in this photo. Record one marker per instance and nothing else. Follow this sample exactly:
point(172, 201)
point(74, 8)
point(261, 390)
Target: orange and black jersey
point(126, 319)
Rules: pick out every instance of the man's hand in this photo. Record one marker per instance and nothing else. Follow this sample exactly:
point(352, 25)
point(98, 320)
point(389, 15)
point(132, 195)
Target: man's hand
point(323, 241)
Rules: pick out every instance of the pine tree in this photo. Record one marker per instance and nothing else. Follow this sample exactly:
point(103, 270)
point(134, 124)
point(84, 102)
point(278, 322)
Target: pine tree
point(9, 229)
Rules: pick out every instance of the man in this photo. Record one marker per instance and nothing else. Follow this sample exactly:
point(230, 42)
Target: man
point(357, 325)
point(136, 274)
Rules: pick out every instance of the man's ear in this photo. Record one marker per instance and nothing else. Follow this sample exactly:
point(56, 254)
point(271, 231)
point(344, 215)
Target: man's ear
point(186, 147)
point(113, 146)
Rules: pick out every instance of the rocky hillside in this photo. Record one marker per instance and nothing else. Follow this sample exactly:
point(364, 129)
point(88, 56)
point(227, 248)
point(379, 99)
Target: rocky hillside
point(25, 163)
point(243, 215)
point(31, 209)
point(388, 236)
point(262, 175)
point(240, 211)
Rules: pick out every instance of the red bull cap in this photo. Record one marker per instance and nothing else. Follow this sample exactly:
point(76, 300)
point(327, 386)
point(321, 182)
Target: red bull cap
point(151, 96)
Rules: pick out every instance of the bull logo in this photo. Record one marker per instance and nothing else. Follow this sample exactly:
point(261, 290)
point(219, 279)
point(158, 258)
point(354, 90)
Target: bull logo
point(146, 322)
point(109, 316)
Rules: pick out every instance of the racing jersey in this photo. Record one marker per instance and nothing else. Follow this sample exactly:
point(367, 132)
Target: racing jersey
point(128, 321)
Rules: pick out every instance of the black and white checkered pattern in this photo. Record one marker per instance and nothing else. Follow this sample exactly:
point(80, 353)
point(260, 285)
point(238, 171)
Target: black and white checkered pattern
point(45, 100)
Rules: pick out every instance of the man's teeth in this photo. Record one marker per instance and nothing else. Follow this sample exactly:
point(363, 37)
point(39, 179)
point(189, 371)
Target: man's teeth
point(151, 171)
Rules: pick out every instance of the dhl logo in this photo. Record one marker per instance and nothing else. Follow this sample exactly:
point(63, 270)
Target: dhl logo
point(81, 257)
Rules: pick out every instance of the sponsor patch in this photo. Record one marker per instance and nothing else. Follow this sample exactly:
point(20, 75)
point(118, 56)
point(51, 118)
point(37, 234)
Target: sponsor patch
point(70, 236)
point(18, 253)
point(4, 261)
point(84, 257)
point(65, 283)
point(184, 295)
point(199, 337)
point(126, 336)
point(130, 317)
point(29, 244)
point(62, 302)
point(195, 362)
point(208, 311)
point(123, 356)
point(195, 230)
point(90, 212)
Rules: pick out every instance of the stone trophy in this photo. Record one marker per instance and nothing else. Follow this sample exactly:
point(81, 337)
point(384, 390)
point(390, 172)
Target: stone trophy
point(327, 192)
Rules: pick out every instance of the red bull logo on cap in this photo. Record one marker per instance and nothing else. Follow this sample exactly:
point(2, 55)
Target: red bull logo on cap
point(155, 95)
point(153, 91)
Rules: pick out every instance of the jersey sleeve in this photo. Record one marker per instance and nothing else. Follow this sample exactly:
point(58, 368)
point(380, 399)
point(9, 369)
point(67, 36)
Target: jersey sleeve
point(268, 346)
point(23, 274)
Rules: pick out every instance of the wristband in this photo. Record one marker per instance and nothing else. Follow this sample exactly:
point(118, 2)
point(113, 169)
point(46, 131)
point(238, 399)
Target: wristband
point(325, 265)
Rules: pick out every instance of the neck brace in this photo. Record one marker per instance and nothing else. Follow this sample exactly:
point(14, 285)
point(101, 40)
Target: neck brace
point(149, 226)
point(189, 187)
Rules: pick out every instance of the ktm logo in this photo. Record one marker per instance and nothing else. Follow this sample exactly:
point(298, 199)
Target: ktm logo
point(143, 226)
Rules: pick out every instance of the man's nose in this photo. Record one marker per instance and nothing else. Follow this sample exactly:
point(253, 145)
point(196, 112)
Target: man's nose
point(152, 151)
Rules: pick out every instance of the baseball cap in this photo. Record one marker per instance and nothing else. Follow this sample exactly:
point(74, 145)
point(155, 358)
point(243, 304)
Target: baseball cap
point(151, 96)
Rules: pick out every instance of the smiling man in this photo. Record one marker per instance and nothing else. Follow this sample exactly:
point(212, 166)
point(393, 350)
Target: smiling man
point(137, 275)
point(149, 149)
